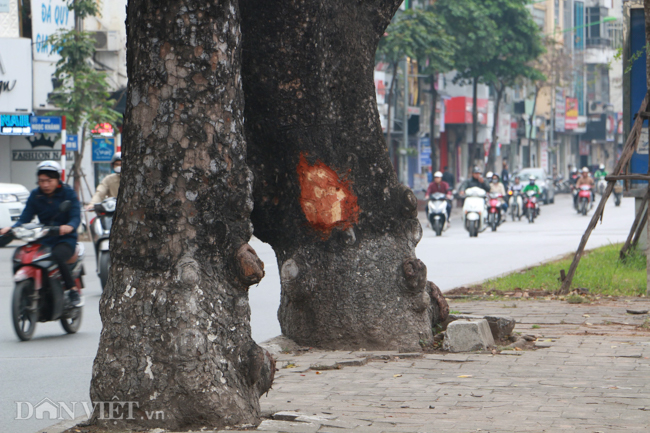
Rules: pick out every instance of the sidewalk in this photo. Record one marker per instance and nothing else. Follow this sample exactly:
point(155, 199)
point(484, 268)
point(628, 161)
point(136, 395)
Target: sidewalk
point(590, 372)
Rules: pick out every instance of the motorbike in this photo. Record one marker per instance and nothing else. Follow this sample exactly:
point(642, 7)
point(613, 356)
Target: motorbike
point(601, 186)
point(100, 230)
point(530, 206)
point(474, 211)
point(437, 212)
point(618, 193)
point(584, 199)
point(39, 294)
point(494, 210)
point(515, 203)
point(561, 185)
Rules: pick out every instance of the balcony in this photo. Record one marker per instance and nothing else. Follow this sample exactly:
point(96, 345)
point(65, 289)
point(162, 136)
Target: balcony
point(598, 42)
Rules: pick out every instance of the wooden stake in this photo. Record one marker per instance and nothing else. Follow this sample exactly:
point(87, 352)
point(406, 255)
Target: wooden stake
point(628, 151)
point(640, 216)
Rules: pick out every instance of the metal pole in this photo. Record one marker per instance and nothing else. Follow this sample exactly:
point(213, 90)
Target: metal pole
point(405, 126)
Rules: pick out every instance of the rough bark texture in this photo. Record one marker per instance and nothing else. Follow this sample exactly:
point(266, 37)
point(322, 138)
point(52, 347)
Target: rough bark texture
point(326, 195)
point(492, 156)
point(176, 335)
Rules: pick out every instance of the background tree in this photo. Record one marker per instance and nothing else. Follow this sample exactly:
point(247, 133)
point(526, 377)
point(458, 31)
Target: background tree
point(176, 321)
point(84, 94)
point(519, 44)
point(476, 33)
point(327, 199)
point(421, 35)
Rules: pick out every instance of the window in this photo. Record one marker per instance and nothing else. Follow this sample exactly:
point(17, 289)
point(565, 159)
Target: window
point(593, 16)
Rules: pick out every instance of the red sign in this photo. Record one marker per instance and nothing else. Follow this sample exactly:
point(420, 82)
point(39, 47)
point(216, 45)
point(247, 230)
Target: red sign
point(571, 114)
point(459, 110)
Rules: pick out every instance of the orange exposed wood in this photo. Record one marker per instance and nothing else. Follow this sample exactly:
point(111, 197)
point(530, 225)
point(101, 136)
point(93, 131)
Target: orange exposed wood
point(326, 200)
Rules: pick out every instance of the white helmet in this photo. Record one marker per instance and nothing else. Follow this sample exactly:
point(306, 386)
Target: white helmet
point(437, 174)
point(489, 175)
point(585, 170)
point(601, 166)
point(49, 166)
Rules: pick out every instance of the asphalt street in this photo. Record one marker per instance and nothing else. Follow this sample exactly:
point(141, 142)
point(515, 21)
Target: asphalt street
point(58, 366)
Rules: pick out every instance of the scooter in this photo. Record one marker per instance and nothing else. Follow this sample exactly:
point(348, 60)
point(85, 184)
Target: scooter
point(601, 186)
point(100, 233)
point(618, 193)
point(39, 294)
point(474, 211)
point(437, 212)
point(584, 199)
point(494, 210)
point(530, 207)
point(516, 204)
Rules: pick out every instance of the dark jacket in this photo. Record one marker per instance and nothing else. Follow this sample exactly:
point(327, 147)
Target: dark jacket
point(449, 178)
point(47, 208)
point(471, 182)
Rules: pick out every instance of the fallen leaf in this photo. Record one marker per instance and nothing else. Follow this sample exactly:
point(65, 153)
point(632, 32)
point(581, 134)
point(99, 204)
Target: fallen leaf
point(518, 349)
point(290, 366)
point(318, 372)
point(465, 376)
point(585, 315)
point(397, 375)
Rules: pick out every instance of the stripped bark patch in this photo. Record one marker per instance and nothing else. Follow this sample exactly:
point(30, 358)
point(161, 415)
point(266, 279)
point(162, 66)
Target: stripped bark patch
point(326, 200)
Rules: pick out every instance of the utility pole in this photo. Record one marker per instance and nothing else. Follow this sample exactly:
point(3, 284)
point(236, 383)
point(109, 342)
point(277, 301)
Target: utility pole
point(405, 127)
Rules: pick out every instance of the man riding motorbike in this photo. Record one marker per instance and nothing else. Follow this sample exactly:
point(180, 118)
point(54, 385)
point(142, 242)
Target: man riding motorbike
point(585, 179)
point(532, 187)
point(44, 202)
point(110, 185)
point(600, 173)
point(475, 181)
point(439, 185)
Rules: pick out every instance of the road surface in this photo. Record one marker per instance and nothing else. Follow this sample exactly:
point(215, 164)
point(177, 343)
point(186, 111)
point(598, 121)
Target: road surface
point(58, 366)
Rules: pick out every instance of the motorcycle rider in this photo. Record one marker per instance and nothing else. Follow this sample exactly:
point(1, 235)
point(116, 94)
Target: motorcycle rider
point(439, 185)
point(600, 173)
point(505, 175)
point(573, 177)
point(475, 181)
point(532, 187)
point(585, 179)
point(498, 188)
point(110, 185)
point(44, 202)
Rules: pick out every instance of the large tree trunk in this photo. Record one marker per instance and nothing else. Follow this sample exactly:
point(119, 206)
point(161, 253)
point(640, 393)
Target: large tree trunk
point(176, 335)
point(326, 196)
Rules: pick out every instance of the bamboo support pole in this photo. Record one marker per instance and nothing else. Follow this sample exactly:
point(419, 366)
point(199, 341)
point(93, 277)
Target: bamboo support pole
point(635, 230)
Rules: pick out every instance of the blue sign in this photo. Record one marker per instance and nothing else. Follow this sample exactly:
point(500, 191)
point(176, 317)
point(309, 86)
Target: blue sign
point(425, 152)
point(15, 124)
point(72, 143)
point(638, 85)
point(46, 124)
point(103, 149)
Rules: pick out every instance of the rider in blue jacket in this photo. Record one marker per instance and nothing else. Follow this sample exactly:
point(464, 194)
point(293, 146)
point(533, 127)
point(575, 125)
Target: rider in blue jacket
point(44, 202)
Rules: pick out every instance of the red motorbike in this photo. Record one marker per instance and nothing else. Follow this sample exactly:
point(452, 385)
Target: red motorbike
point(494, 210)
point(39, 294)
point(530, 206)
point(584, 199)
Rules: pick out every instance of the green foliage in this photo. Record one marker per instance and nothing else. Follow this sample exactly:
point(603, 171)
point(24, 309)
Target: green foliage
point(633, 58)
point(420, 35)
point(84, 92)
point(600, 271)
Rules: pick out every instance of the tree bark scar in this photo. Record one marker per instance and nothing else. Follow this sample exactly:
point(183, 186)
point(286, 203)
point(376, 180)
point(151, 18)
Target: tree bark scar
point(326, 200)
point(251, 268)
point(443, 306)
point(415, 273)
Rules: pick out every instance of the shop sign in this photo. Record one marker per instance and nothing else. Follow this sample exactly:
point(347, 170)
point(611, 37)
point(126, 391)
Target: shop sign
point(103, 149)
point(425, 152)
point(571, 114)
point(36, 155)
point(15, 124)
point(15, 75)
point(48, 17)
point(72, 143)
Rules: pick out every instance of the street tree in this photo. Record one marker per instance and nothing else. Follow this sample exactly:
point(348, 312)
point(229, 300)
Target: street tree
point(176, 337)
point(84, 93)
point(519, 44)
point(421, 35)
point(476, 33)
point(327, 199)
